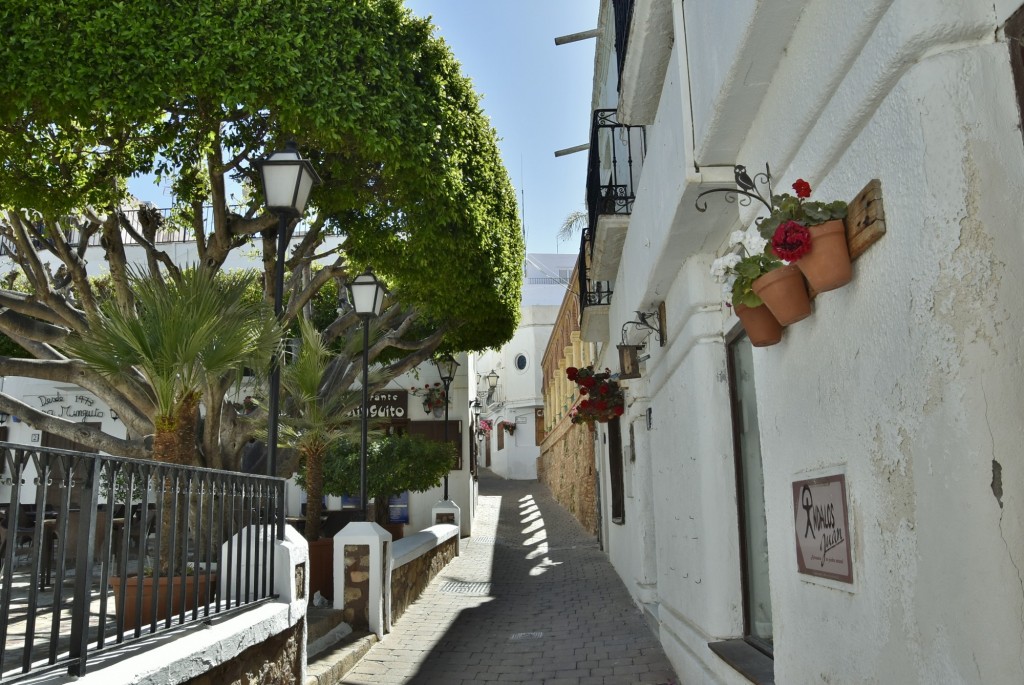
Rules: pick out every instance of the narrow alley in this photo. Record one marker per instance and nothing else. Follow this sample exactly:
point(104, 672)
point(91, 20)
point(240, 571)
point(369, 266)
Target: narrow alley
point(531, 599)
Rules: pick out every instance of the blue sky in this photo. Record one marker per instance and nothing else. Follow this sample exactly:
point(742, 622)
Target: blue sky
point(537, 95)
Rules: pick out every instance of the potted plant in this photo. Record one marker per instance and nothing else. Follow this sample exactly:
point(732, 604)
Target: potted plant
point(601, 397)
point(737, 271)
point(510, 427)
point(187, 333)
point(486, 426)
point(312, 421)
point(811, 235)
point(433, 398)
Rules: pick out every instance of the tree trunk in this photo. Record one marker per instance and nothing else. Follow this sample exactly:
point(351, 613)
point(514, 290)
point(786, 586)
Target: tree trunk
point(314, 493)
point(175, 443)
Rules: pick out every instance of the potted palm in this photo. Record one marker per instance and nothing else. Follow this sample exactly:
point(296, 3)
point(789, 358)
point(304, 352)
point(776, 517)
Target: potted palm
point(183, 339)
point(313, 421)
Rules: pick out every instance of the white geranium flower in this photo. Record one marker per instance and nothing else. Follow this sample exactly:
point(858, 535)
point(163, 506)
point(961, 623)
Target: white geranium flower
point(737, 238)
point(753, 243)
point(722, 267)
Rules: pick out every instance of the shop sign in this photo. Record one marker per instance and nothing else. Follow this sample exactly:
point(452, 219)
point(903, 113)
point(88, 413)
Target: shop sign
point(386, 404)
point(823, 528)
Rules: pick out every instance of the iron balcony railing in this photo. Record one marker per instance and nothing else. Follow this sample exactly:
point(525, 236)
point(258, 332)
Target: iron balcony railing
point(623, 19)
point(614, 165)
point(616, 159)
point(82, 532)
point(591, 292)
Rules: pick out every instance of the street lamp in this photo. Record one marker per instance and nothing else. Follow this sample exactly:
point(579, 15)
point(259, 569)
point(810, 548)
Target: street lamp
point(287, 182)
point(492, 383)
point(366, 293)
point(446, 366)
point(474, 410)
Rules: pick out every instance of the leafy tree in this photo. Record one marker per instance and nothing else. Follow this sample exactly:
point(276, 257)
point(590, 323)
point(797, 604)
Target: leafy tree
point(97, 92)
point(394, 464)
point(313, 419)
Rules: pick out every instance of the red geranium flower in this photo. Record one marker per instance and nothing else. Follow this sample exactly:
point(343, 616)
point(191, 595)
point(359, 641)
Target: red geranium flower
point(572, 372)
point(603, 389)
point(618, 409)
point(588, 382)
point(802, 188)
point(791, 241)
point(601, 405)
point(584, 390)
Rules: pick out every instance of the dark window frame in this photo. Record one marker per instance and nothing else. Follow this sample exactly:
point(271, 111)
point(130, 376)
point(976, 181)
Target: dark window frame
point(616, 473)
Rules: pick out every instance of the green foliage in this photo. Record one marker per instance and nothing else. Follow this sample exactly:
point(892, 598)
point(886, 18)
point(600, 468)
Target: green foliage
point(748, 270)
point(180, 335)
point(394, 464)
point(786, 207)
point(98, 91)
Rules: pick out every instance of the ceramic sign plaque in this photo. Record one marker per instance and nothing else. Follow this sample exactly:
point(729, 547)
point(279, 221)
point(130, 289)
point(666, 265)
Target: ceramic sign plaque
point(823, 528)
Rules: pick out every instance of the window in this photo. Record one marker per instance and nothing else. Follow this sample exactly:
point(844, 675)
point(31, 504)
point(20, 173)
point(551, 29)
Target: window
point(615, 471)
point(757, 605)
point(521, 361)
point(750, 655)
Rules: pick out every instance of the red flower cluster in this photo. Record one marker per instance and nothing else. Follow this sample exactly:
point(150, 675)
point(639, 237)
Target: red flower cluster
point(604, 399)
point(791, 241)
point(802, 188)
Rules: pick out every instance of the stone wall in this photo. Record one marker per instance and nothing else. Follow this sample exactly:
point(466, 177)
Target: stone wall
point(566, 466)
point(277, 660)
point(409, 580)
point(357, 586)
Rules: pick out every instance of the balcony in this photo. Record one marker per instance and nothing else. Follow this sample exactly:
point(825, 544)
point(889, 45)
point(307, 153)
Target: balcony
point(75, 525)
point(613, 172)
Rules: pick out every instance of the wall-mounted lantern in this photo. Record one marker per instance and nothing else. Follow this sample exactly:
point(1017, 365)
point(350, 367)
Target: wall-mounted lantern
point(640, 330)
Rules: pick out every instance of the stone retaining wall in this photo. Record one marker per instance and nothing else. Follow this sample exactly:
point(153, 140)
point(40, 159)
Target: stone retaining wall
point(409, 580)
point(566, 466)
point(277, 660)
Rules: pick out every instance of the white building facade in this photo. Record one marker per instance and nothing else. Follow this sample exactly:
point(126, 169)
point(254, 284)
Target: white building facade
point(515, 407)
point(895, 407)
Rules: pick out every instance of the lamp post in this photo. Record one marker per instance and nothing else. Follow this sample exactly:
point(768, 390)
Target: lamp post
point(446, 366)
point(492, 383)
point(287, 182)
point(366, 293)
point(474, 410)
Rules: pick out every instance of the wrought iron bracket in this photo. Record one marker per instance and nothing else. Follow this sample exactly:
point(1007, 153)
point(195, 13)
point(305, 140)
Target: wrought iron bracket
point(649, 321)
point(746, 189)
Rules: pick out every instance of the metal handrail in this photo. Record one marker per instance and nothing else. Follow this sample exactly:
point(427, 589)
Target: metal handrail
point(86, 522)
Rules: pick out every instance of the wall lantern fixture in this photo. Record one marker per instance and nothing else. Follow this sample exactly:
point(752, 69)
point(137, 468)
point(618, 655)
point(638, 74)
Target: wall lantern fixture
point(446, 368)
point(3, 417)
point(366, 293)
point(287, 182)
point(492, 383)
point(745, 190)
point(646, 324)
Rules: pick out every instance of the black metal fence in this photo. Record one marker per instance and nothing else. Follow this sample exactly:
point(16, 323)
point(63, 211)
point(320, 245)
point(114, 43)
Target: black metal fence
point(96, 551)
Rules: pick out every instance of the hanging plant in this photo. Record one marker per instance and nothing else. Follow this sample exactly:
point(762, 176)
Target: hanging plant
point(602, 398)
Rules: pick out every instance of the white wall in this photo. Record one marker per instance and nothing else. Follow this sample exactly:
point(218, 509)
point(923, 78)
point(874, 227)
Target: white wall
point(908, 380)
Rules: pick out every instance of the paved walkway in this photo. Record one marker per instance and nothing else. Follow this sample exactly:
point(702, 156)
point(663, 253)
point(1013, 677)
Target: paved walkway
point(531, 599)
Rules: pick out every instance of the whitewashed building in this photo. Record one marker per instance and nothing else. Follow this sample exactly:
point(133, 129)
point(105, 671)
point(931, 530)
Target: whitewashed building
point(885, 429)
point(515, 406)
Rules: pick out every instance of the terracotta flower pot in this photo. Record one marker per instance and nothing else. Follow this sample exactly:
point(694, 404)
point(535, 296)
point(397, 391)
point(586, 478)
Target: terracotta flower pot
point(827, 266)
point(784, 292)
point(762, 328)
point(162, 587)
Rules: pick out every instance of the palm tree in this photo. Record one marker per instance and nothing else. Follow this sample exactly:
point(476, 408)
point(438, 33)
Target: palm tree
point(313, 420)
point(178, 342)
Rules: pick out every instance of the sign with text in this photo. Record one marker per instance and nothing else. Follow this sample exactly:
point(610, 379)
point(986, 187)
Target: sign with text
point(386, 404)
point(823, 528)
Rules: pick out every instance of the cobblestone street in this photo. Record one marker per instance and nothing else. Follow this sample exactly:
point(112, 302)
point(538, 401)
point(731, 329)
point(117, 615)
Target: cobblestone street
point(531, 599)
